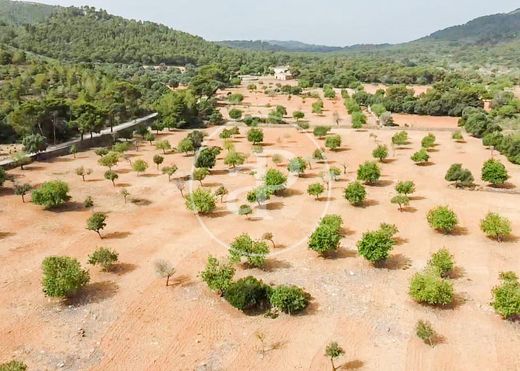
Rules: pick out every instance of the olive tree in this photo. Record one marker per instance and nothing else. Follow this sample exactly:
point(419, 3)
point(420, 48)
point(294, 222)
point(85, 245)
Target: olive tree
point(259, 195)
point(199, 174)
point(139, 166)
point(163, 145)
point(405, 187)
point(429, 288)
point(83, 172)
point(158, 160)
point(234, 159)
point(400, 200)
point(164, 269)
point(221, 192)
point(333, 142)
point(425, 332)
point(169, 170)
point(375, 246)
point(22, 190)
point(112, 176)
point(255, 135)
point(315, 189)
point(327, 236)
point(420, 157)
point(297, 166)
point(462, 177)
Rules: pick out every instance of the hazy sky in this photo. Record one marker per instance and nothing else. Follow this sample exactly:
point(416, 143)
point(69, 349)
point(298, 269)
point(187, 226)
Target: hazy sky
point(329, 22)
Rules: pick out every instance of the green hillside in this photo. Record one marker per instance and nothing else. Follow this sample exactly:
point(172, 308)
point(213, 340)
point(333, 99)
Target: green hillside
point(19, 13)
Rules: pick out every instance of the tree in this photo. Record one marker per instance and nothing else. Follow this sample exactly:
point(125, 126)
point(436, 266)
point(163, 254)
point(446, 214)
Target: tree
point(139, 166)
point(124, 192)
point(506, 296)
point(63, 276)
point(333, 351)
point(430, 288)
point(104, 257)
point(358, 119)
point(420, 157)
point(73, 150)
point(428, 141)
point(245, 247)
point(317, 107)
point(442, 219)
point(235, 114)
point(164, 269)
point(289, 299)
point(315, 189)
point(97, 222)
point(109, 160)
point(297, 165)
point(462, 177)
point(149, 137)
point(259, 195)
point(201, 201)
point(400, 200)
point(255, 135)
point(268, 236)
point(221, 192)
point(355, 193)
point(405, 187)
point(22, 190)
point(400, 138)
point(234, 158)
point(425, 332)
point(442, 263)
point(494, 172)
point(381, 152)
point(112, 176)
point(51, 194)
point(245, 210)
point(375, 246)
point(275, 180)
point(3, 176)
point(207, 157)
point(218, 275)
point(318, 155)
point(186, 146)
point(169, 170)
point(321, 131)
point(199, 174)
point(327, 236)
point(82, 172)
point(298, 115)
point(369, 172)
point(21, 159)
point(158, 160)
point(163, 145)
point(34, 143)
point(495, 226)
point(247, 293)
point(180, 184)
point(333, 142)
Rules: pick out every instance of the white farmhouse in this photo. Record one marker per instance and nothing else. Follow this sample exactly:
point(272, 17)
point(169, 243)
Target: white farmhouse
point(282, 73)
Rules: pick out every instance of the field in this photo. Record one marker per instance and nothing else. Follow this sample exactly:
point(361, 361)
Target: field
point(129, 320)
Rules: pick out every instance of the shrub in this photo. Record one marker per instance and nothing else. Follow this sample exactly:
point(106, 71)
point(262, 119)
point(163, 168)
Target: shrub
point(442, 219)
point(63, 276)
point(109, 160)
point(104, 257)
point(13, 366)
point(139, 166)
point(244, 247)
point(420, 157)
point(255, 135)
point(317, 107)
point(428, 141)
point(51, 194)
point(235, 114)
point(327, 236)
point(457, 136)
point(494, 172)
point(405, 188)
point(442, 263)
point(400, 200)
point(97, 222)
point(381, 152)
point(333, 142)
point(169, 170)
point(221, 192)
point(298, 115)
point(88, 203)
point(315, 189)
point(247, 293)
point(369, 172)
point(186, 146)
point(506, 296)
point(400, 138)
point(321, 131)
point(34, 143)
point(375, 246)
point(275, 180)
point(259, 194)
point(199, 174)
point(207, 157)
point(234, 158)
point(358, 119)
point(429, 288)
point(163, 145)
point(496, 226)
point(245, 210)
point(355, 193)
point(3, 176)
point(462, 177)
point(297, 165)
point(425, 332)
point(201, 201)
point(289, 299)
point(217, 275)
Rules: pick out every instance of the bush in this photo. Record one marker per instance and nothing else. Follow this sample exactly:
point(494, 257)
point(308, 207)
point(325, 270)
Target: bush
point(355, 193)
point(255, 135)
point(63, 276)
point(462, 177)
point(207, 157)
point(327, 236)
point(358, 119)
point(494, 172)
point(420, 157)
point(369, 172)
point(247, 293)
point(506, 296)
point(321, 131)
point(34, 143)
point(104, 257)
point(186, 146)
point(235, 114)
point(51, 194)
point(139, 166)
point(442, 219)
point(457, 136)
point(442, 263)
point(333, 142)
point(297, 165)
point(88, 203)
point(375, 246)
point(13, 366)
point(428, 141)
point(315, 189)
point(495, 226)
point(259, 195)
point(217, 275)
point(289, 299)
point(201, 201)
point(245, 210)
point(400, 138)
point(234, 158)
point(429, 288)
point(275, 180)
point(381, 152)
point(244, 247)
point(405, 188)
point(425, 332)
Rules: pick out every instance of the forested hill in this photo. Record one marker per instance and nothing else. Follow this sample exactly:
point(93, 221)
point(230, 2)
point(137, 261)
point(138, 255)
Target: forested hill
point(275, 45)
point(18, 12)
point(89, 35)
point(489, 29)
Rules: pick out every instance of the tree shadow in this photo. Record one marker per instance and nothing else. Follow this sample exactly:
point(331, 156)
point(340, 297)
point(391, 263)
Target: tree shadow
point(510, 238)
point(273, 264)
point(149, 175)
point(459, 231)
point(182, 281)
point(342, 253)
point(289, 192)
point(68, 206)
point(123, 171)
point(220, 172)
point(308, 175)
point(506, 185)
point(426, 163)
point(409, 209)
point(352, 365)
point(211, 185)
point(122, 185)
point(5, 235)
point(398, 262)
point(389, 160)
point(416, 198)
point(123, 268)
point(61, 159)
point(368, 203)
point(274, 206)
point(457, 272)
point(326, 199)
point(93, 180)
point(116, 235)
point(382, 183)
point(400, 241)
point(141, 201)
point(218, 214)
point(94, 293)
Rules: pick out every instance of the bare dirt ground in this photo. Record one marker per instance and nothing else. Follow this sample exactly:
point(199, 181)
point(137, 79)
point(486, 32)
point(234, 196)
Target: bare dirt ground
point(131, 321)
point(418, 121)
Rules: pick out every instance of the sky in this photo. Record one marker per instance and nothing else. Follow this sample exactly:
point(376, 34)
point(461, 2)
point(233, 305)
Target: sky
point(326, 22)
